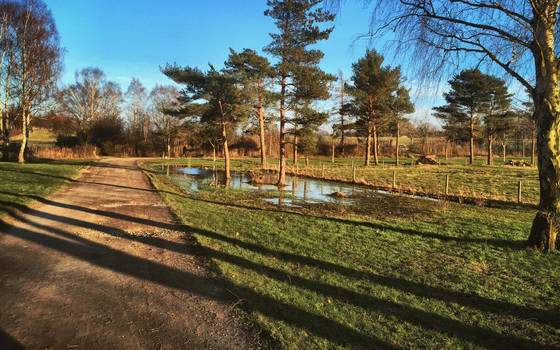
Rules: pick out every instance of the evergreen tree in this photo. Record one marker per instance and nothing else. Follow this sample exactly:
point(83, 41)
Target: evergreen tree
point(254, 73)
point(497, 117)
point(311, 84)
point(372, 88)
point(398, 105)
point(471, 98)
point(210, 97)
point(298, 27)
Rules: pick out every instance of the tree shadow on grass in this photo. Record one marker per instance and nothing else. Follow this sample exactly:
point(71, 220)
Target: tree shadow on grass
point(410, 287)
point(118, 261)
point(95, 253)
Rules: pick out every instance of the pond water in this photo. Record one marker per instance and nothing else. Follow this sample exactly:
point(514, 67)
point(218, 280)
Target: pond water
point(298, 190)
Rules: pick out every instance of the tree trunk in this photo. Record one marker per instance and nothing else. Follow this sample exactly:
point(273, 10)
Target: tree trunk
point(332, 150)
point(225, 141)
point(168, 148)
point(282, 169)
point(226, 151)
point(490, 155)
point(261, 129)
point(533, 149)
point(21, 155)
point(522, 148)
point(5, 119)
point(446, 148)
point(397, 147)
point(295, 150)
point(368, 148)
point(471, 145)
point(504, 151)
point(341, 116)
point(547, 106)
point(342, 135)
point(375, 146)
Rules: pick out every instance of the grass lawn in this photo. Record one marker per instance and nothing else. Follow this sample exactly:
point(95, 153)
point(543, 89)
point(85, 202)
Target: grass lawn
point(393, 272)
point(38, 136)
point(20, 182)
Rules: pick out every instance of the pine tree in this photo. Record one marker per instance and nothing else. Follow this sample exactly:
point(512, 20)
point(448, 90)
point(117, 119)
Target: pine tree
point(298, 23)
point(469, 100)
point(398, 105)
point(210, 97)
point(497, 116)
point(254, 73)
point(311, 84)
point(372, 87)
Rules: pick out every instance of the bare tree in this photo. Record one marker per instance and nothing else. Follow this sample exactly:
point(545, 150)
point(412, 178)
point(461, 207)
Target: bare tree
point(164, 104)
point(90, 98)
point(38, 54)
point(518, 36)
point(7, 13)
point(137, 97)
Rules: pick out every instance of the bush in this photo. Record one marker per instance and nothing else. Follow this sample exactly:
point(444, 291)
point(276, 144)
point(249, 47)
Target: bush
point(67, 141)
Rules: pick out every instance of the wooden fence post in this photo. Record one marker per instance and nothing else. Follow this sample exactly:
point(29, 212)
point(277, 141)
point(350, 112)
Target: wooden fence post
point(306, 161)
point(322, 170)
point(446, 185)
point(394, 179)
point(519, 192)
point(353, 172)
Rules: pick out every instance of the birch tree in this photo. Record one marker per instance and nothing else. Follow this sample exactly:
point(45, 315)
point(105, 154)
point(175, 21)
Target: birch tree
point(90, 98)
point(39, 60)
point(165, 103)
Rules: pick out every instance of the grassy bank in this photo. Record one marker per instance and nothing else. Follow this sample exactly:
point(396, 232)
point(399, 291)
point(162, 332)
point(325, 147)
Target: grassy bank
point(395, 273)
point(478, 181)
point(19, 183)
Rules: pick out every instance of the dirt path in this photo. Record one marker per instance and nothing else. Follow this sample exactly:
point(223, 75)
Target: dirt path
point(101, 265)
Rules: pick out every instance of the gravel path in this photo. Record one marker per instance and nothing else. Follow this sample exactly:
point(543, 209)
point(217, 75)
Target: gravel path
point(101, 265)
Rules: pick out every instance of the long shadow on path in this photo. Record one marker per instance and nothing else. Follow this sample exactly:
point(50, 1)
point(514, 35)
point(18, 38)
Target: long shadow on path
point(88, 250)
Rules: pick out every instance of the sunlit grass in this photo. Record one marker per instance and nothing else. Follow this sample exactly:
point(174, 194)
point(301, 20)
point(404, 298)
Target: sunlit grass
point(399, 272)
point(20, 183)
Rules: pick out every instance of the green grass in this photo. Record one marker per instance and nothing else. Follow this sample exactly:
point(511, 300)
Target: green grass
point(478, 181)
point(392, 272)
point(39, 136)
point(20, 183)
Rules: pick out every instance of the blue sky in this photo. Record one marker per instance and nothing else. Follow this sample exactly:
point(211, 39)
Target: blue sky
point(129, 39)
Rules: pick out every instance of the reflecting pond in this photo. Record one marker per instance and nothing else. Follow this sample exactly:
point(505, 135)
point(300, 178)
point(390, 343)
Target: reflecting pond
point(298, 190)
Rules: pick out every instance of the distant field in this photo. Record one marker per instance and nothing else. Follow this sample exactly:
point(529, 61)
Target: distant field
point(38, 136)
point(497, 182)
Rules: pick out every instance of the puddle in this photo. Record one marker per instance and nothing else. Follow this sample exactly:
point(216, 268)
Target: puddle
point(298, 190)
